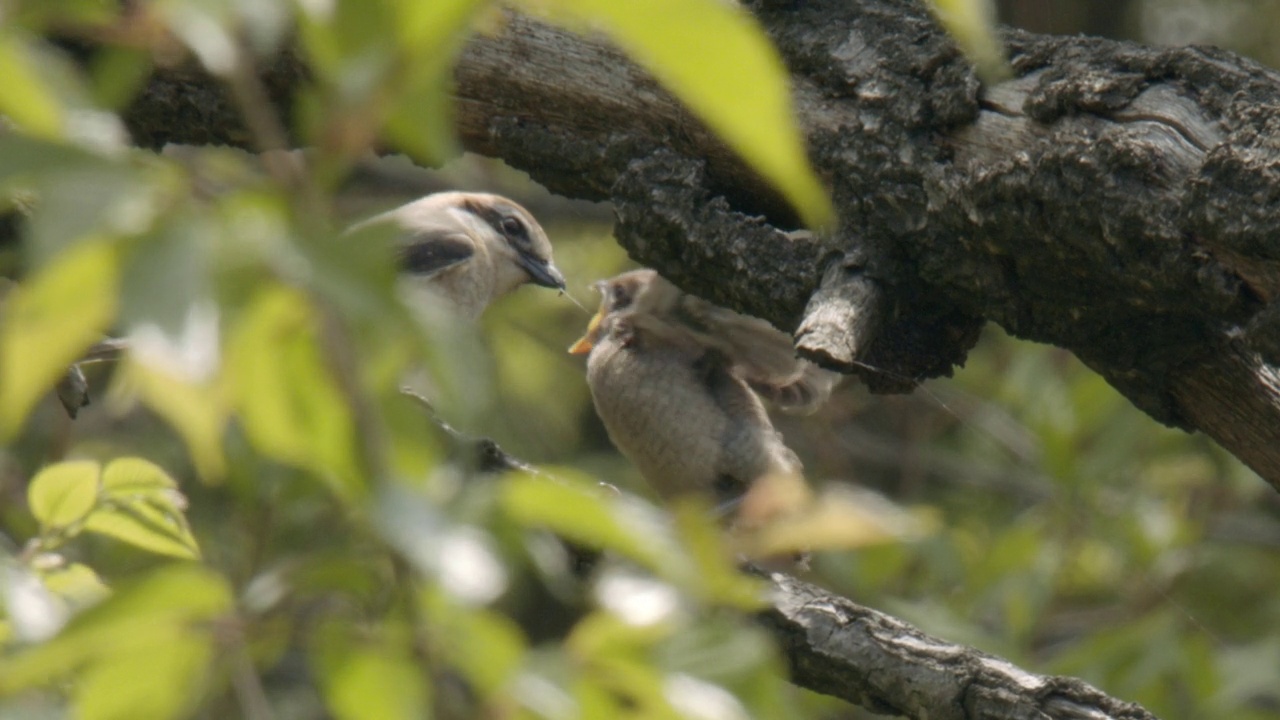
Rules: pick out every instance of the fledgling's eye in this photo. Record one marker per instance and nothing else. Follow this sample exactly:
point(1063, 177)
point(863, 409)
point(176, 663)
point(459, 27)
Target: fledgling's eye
point(619, 297)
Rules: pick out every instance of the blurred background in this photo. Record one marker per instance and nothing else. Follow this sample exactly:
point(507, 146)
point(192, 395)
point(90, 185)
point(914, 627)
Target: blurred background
point(1075, 535)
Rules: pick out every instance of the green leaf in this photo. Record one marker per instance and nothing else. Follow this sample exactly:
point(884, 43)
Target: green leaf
point(62, 494)
point(583, 514)
point(151, 526)
point(289, 402)
point(973, 25)
point(171, 660)
point(718, 577)
point(49, 322)
point(25, 97)
point(486, 646)
point(118, 74)
point(76, 583)
point(430, 33)
point(716, 58)
point(197, 410)
point(168, 607)
point(128, 477)
point(374, 682)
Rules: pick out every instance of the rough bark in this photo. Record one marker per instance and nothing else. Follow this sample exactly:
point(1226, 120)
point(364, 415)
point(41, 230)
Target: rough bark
point(843, 649)
point(1116, 200)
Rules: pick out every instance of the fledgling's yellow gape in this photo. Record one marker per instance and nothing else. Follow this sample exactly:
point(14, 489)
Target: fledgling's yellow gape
point(460, 251)
point(675, 381)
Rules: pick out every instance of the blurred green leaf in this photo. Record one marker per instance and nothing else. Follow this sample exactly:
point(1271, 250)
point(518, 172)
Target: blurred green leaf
point(376, 683)
point(288, 399)
point(488, 648)
point(62, 494)
point(717, 573)
point(973, 25)
point(716, 58)
point(38, 13)
point(25, 97)
point(77, 583)
point(156, 677)
point(430, 35)
point(584, 514)
point(389, 62)
point(49, 322)
point(169, 607)
point(618, 657)
point(197, 410)
point(118, 73)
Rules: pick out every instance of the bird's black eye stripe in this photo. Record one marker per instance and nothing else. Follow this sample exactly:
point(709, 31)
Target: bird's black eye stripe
point(503, 221)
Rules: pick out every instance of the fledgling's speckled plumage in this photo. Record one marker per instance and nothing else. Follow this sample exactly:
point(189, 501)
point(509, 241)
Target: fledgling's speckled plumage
point(460, 251)
point(674, 396)
point(763, 356)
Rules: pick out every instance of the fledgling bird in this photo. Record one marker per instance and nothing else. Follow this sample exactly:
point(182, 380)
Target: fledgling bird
point(461, 251)
point(763, 356)
point(672, 378)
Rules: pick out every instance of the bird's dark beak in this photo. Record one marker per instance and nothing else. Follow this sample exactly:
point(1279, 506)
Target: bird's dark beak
point(542, 272)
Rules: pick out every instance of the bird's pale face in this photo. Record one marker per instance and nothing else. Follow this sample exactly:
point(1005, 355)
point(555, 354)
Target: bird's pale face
point(513, 234)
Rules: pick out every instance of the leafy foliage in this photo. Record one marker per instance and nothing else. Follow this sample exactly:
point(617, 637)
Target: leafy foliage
point(258, 523)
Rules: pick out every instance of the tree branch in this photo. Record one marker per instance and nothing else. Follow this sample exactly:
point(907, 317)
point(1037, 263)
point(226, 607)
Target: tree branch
point(840, 648)
point(1112, 199)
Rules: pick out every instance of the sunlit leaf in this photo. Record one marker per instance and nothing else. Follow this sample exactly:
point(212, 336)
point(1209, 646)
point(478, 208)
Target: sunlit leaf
point(25, 97)
point(973, 24)
point(371, 679)
point(486, 646)
point(171, 660)
point(198, 411)
point(617, 655)
point(288, 399)
point(77, 583)
point(583, 514)
point(155, 527)
point(49, 322)
point(430, 33)
point(62, 494)
point(718, 576)
point(373, 684)
point(129, 476)
point(716, 58)
point(168, 606)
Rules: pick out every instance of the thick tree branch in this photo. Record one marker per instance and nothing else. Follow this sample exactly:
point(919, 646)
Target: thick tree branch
point(840, 648)
point(1115, 200)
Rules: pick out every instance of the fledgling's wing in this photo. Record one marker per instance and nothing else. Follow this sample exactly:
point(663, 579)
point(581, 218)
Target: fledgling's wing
point(761, 355)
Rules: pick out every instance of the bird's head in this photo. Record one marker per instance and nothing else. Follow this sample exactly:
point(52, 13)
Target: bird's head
point(510, 233)
point(630, 293)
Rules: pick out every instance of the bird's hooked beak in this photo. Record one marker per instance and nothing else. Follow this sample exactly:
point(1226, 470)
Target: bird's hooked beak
point(542, 272)
point(588, 339)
